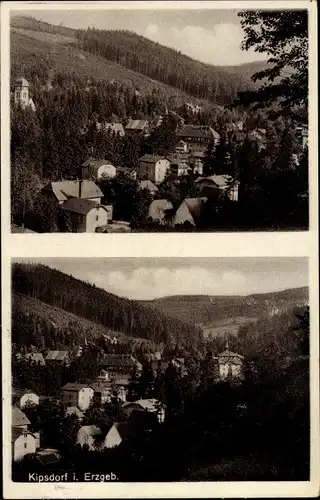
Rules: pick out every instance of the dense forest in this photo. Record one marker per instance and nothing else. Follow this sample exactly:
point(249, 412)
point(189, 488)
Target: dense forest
point(205, 309)
point(164, 64)
point(85, 300)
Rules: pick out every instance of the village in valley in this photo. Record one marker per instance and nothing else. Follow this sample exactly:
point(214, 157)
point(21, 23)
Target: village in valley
point(101, 383)
point(92, 153)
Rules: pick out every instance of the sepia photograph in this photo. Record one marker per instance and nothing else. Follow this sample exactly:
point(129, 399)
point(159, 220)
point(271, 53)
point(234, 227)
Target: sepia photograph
point(159, 120)
point(160, 369)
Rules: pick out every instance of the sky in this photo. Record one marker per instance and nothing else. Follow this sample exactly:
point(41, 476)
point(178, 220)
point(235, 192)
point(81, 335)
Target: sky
point(149, 278)
point(211, 36)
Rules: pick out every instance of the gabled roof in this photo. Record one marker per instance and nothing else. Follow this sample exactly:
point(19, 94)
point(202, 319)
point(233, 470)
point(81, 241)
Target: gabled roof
point(15, 433)
point(114, 126)
point(36, 357)
point(73, 386)
point(230, 354)
point(21, 82)
point(118, 360)
point(56, 355)
point(48, 456)
point(197, 131)
point(195, 205)
point(148, 185)
point(73, 410)
point(18, 418)
point(70, 189)
point(90, 430)
point(151, 158)
point(145, 404)
point(158, 208)
point(79, 205)
point(137, 124)
point(96, 162)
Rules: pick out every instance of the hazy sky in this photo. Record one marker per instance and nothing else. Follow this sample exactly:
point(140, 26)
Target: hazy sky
point(212, 36)
point(139, 278)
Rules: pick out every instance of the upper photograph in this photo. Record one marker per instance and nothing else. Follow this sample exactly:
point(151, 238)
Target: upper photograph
point(159, 120)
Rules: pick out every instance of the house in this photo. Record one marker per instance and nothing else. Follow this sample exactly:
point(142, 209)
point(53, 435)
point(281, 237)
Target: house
point(153, 168)
point(120, 386)
point(182, 147)
point(86, 215)
point(23, 443)
point(19, 229)
point(80, 395)
point(61, 357)
point(102, 393)
point(230, 364)
point(135, 127)
point(190, 210)
point(89, 435)
point(148, 405)
point(160, 211)
point(198, 137)
point(97, 169)
point(196, 160)
point(26, 397)
point(22, 94)
point(74, 410)
point(115, 127)
point(61, 191)
point(35, 357)
point(130, 172)
point(209, 185)
point(149, 186)
point(119, 364)
point(178, 165)
point(303, 134)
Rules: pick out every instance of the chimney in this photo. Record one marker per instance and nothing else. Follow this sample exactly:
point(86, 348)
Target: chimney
point(80, 187)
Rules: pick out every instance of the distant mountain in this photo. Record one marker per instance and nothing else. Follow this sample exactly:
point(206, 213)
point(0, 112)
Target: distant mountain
point(126, 57)
point(53, 296)
point(224, 314)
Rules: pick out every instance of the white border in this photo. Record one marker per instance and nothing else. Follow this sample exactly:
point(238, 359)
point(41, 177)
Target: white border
point(158, 245)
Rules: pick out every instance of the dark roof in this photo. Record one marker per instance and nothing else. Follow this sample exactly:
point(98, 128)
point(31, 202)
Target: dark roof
point(137, 124)
point(18, 418)
point(197, 131)
point(95, 162)
point(48, 456)
point(70, 189)
point(118, 360)
point(74, 387)
point(152, 158)
point(79, 205)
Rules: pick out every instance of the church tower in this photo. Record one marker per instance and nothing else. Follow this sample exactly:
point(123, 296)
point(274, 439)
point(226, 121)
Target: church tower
point(22, 94)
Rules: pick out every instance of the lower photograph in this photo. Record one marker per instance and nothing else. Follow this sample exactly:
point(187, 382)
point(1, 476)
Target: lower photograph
point(160, 369)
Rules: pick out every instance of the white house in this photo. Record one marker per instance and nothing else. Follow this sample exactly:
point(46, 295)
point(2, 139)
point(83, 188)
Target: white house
point(153, 168)
point(224, 183)
point(28, 397)
point(230, 364)
point(23, 443)
point(88, 435)
point(79, 395)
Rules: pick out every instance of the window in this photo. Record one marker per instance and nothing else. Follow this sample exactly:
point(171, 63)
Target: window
point(97, 216)
point(24, 94)
point(18, 95)
point(25, 445)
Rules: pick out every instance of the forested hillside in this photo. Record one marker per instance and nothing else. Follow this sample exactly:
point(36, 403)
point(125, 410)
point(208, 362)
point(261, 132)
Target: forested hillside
point(166, 65)
point(211, 310)
point(134, 55)
point(94, 304)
